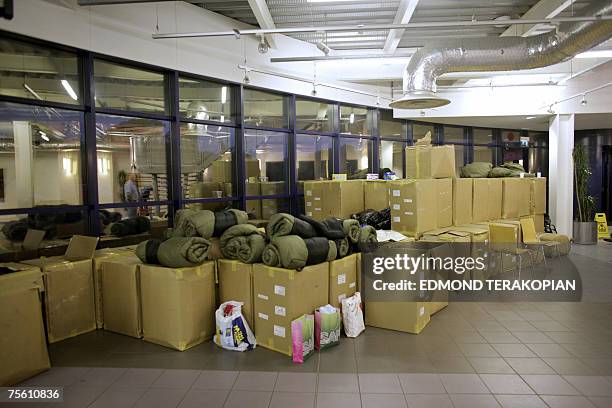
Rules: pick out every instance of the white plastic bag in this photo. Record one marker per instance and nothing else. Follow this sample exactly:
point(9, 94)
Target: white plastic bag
point(233, 332)
point(352, 315)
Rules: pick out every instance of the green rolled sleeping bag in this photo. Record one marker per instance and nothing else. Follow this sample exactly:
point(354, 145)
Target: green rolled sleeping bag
point(351, 229)
point(282, 224)
point(243, 242)
point(180, 221)
point(368, 234)
point(294, 252)
point(343, 247)
point(476, 170)
point(176, 252)
point(200, 223)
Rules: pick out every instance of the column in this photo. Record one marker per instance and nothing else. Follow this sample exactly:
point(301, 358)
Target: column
point(22, 136)
point(561, 172)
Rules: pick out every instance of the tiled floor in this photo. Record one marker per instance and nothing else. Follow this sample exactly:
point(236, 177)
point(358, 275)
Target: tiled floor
point(509, 355)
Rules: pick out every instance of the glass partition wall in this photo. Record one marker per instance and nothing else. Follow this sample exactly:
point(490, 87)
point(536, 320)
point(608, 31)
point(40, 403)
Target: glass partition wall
point(89, 139)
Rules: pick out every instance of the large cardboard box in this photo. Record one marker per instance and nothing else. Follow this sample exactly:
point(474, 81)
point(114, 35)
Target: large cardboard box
point(178, 304)
point(462, 201)
point(236, 283)
point(538, 220)
point(409, 317)
point(448, 234)
point(121, 294)
point(23, 348)
point(480, 199)
point(444, 202)
point(69, 289)
point(313, 199)
point(495, 198)
point(537, 196)
point(376, 195)
point(221, 171)
point(323, 199)
point(270, 206)
point(281, 295)
point(99, 257)
point(413, 206)
point(511, 190)
point(253, 206)
point(430, 161)
point(524, 197)
point(342, 279)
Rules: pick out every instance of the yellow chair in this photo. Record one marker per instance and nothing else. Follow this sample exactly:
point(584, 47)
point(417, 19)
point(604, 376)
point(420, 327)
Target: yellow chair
point(530, 238)
point(503, 239)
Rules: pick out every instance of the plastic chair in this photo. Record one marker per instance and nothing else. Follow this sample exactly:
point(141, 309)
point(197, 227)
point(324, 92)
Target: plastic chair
point(530, 238)
point(503, 239)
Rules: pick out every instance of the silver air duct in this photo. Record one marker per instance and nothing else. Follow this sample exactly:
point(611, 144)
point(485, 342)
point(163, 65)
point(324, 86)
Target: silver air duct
point(499, 54)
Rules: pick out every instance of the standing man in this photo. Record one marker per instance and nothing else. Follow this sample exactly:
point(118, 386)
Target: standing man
point(130, 191)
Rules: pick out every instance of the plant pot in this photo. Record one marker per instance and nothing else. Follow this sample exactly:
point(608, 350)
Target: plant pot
point(585, 233)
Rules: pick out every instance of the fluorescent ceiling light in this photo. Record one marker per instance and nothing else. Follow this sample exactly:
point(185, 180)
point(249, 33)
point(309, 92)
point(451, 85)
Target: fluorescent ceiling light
point(43, 136)
point(595, 54)
point(530, 117)
point(352, 118)
point(224, 94)
point(69, 89)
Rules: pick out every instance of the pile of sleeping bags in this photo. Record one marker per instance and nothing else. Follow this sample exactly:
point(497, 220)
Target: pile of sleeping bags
point(188, 243)
point(44, 221)
point(484, 170)
point(295, 242)
point(380, 220)
point(130, 226)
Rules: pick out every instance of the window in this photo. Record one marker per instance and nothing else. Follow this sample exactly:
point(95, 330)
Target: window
point(453, 134)
point(129, 89)
point(314, 158)
point(355, 121)
point(421, 131)
point(41, 73)
point(391, 156)
point(390, 128)
point(207, 167)
point(266, 162)
point(265, 109)
point(41, 156)
point(483, 136)
point(355, 157)
point(265, 208)
point(459, 158)
point(131, 160)
point(313, 116)
point(484, 154)
point(204, 100)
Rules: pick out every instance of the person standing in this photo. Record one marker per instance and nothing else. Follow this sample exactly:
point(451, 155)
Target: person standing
point(130, 191)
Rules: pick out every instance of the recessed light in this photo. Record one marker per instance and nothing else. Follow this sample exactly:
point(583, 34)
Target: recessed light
point(530, 117)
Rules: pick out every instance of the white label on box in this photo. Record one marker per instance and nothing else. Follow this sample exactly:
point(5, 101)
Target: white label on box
point(352, 285)
point(318, 209)
point(340, 297)
point(396, 219)
point(407, 200)
point(396, 193)
point(264, 297)
point(280, 311)
point(308, 192)
point(308, 204)
point(342, 279)
point(396, 206)
point(279, 331)
point(408, 213)
point(317, 198)
point(309, 213)
point(263, 316)
point(279, 290)
point(422, 311)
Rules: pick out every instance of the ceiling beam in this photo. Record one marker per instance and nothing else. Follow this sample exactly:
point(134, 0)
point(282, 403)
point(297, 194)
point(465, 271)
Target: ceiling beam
point(108, 2)
point(542, 9)
point(403, 16)
point(264, 18)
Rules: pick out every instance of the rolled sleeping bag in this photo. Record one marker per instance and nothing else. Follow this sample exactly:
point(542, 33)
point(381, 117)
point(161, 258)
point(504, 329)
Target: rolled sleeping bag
point(288, 252)
point(176, 252)
point(320, 250)
point(343, 247)
point(351, 229)
point(282, 224)
point(180, 220)
point(199, 223)
point(243, 242)
point(146, 251)
point(368, 234)
point(15, 230)
point(227, 218)
point(330, 228)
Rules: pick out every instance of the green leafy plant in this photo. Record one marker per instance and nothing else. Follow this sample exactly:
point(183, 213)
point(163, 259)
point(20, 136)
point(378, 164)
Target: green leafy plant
point(582, 175)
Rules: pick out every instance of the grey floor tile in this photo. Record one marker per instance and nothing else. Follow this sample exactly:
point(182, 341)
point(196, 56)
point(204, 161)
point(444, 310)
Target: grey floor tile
point(549, 325)
point(533, 315)
point(428, 401)
point(383, 401)
point(414, 365)
point(215, 380)
point(463, 384)
point(490, 365)
point(420, 383)
point(101, 377)
point(256, 381)
point(176, 379)
point(251, 399)
point(138, 377)
point(506, 384)
point(338, 400)
point(549, 350)
point(77, 397)
point(379, 384)
point(488, 325)
point(513, 350)
point(474, 401)
point(529, 365)
point(566, 337)
point(601, 402)
point(550, 385)
point(377, 364)
point(569, 366)
point(204, 398)
point(532, 337)
point(518, 326)
point(296, 382)
point(468, 337)
point(58, 376)
point(502, 337)
point(456, 365)
point(478, 350)
point(591, 386)
point(118, 397)
point(338, 383)
point(558, 401)
point(292, 400)
point(161, 398)
point(602, 366)
point(520, 401)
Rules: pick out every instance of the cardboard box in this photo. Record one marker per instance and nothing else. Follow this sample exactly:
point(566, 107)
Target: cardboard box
point(480, 199)
point(358, 271)
point(375, 195)
point(269, 207)
point(409, 317)
point(538, 220)
point(221, 171)
point(178, 304)
point(430, 161)
point(313, 199)
point(121, 294)
point(537, 196)
point(281, 295)
point(323, 199)
point(462, 200)
point(495, 198)
point(23, 347)
point(448, 234)
point(524, 197)
point(99, 257)
point(444, 202)
point(511, 190)
point(342, 279)
point(413, 206)
point(253, 206)
point(236, 283)
point(69, 289)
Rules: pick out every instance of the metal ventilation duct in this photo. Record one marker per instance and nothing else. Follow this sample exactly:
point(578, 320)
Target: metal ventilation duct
point(499, 54)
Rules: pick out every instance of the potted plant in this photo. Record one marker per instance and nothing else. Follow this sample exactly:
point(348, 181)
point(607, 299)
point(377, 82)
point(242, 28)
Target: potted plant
point(585, 228)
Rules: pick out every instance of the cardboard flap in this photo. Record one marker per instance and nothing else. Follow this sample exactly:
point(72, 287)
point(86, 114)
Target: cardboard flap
point(81, 247)
point(33, 239)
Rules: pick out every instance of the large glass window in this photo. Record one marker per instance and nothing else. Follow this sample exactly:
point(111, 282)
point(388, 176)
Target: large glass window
point(131, 161)
point(391, 156)
point(453, 134)
point(355, 157)
point(420, 131)
point(313, 116)
point(207, 169)
point(391, 128)
point(483, 136)
point(126, 88)
point(484, 154)
point(204, 100)
point(355, 121)
point(265, 109)
point(41, 73)
point(266, 162)
point(314, 158)
point(265, 208)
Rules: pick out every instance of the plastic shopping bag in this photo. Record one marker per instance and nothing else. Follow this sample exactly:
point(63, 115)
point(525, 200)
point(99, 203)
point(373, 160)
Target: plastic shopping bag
point(352, 315)
point(233, 332)
point(327, 327)
point(302, 338)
